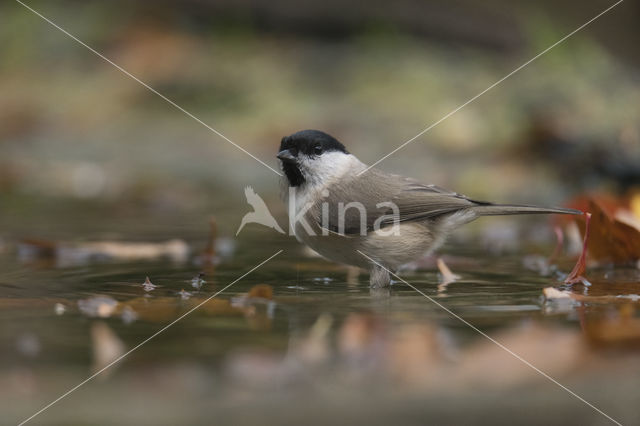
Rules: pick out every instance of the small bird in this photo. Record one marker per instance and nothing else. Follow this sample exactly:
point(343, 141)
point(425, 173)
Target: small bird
point(361, 216)
point(260, 214)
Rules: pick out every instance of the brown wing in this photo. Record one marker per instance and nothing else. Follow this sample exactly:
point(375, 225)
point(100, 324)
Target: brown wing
point(364, 202)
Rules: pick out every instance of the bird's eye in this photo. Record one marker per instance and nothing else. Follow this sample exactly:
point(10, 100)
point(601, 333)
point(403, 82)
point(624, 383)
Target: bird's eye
point(317, 150)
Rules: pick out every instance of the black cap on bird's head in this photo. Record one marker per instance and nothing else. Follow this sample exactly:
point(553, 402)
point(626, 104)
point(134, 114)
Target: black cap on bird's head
point(304, 145)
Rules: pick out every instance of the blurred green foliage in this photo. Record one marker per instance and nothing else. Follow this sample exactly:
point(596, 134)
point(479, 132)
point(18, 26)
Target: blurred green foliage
point(67, 117)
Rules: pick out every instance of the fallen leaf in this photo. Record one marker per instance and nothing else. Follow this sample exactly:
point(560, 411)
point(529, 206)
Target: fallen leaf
point(577, 274)
point(156, 309)
point(71, 254)
point(216, 307)
point(613, 241)
point(551, 293)
point(615, 228)
point(634, 204)
point(176, 250)
point(599, 293)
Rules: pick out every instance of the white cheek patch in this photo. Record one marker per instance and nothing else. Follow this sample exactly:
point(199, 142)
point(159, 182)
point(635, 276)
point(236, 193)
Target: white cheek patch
point(328, 167)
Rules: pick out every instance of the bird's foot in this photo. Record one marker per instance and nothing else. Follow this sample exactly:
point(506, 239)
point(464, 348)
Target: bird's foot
point(379, 277)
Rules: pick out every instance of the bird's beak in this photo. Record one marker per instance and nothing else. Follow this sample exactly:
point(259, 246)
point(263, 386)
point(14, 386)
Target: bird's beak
point(286, 156)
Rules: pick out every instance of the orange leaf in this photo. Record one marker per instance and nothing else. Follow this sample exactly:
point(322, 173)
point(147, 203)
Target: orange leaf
point(612, 240)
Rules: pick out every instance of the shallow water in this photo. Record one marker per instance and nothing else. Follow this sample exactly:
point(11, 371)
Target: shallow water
point(323, 347)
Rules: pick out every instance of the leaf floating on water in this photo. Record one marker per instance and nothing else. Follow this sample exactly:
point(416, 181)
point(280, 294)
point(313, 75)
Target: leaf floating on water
point(551, 293)
point(176, 250)
point(70, 254)
point(558, 301)
point(577, 274)
point(258, 294)
point(147, 285)
point(217, 307)
point(156, 309)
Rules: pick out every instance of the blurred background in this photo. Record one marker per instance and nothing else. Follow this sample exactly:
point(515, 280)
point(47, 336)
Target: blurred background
point(107, 193)
point(74, 130)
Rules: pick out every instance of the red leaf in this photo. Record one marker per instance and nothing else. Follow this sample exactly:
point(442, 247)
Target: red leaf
point(577, 275)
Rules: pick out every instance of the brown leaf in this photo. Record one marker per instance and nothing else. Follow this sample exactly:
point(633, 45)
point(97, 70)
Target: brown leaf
point(577, 274)
point(216, 307)
point(157, 309)
point(615, 235)
point(78, 253)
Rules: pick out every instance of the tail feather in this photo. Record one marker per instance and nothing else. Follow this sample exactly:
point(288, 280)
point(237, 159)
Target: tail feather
point(506, 209)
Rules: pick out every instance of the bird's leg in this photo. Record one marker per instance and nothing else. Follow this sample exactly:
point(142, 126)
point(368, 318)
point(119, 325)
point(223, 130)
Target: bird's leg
point(379, 277)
